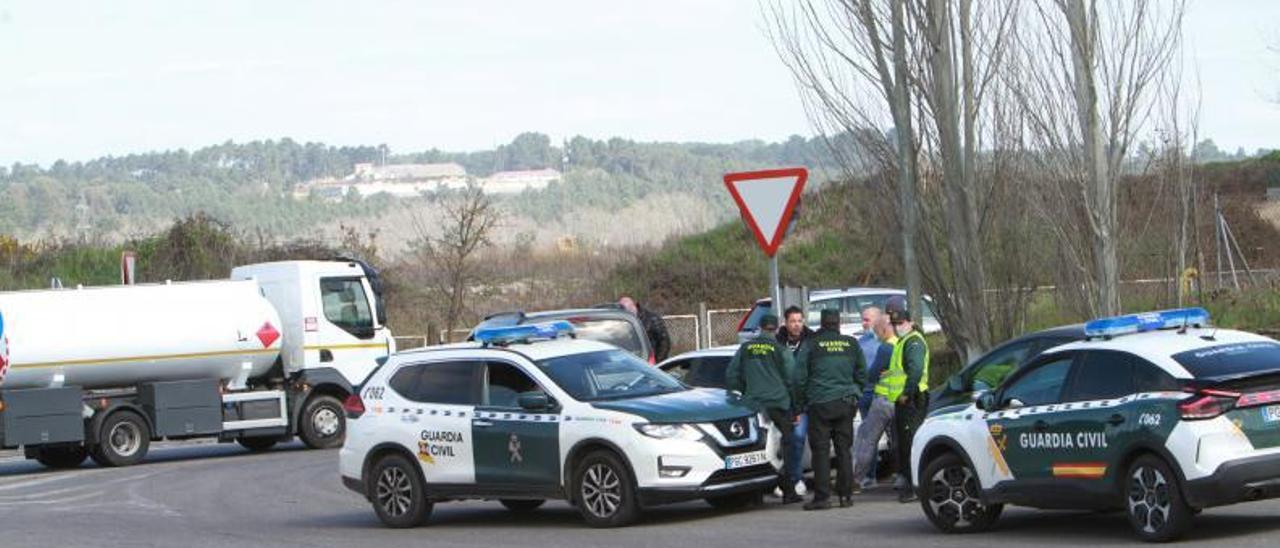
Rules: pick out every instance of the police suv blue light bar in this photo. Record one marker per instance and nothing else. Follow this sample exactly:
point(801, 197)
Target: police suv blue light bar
point(1147, 321)
point(516, 333)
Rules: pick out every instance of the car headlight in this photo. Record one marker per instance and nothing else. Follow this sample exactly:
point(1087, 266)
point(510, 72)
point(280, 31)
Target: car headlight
point(686, 432)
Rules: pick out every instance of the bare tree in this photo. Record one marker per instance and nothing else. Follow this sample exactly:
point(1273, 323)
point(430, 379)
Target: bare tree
point(928, 68)
point(1085, 84)
point(447, 257)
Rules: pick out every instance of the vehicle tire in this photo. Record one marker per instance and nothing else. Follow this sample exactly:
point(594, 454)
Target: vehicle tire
point(1154, 502)
point(324, 424)
point(736, 501)
point(123, 440)
point(604, 490)
point(522, 506)
point(398, 493)
point(62, 457)
point(258, 444)
point(951, 497)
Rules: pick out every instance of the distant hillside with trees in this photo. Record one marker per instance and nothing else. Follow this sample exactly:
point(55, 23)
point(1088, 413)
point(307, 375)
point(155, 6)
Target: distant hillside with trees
point(248, 185)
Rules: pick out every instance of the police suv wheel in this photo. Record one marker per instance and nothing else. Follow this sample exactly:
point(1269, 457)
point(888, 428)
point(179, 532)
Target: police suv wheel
point(521, 506)
point(398, 493)
point(123, 440)
point(1154, 502)
point(951, 497)
point(604, 491)
point(324, 423)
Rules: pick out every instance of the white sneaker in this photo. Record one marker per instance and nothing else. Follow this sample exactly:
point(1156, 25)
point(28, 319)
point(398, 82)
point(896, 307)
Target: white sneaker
point(801, 489)
point(777, 492)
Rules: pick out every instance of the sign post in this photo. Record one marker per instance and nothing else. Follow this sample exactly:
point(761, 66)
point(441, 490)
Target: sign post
point(128, 268)
point(767, 201)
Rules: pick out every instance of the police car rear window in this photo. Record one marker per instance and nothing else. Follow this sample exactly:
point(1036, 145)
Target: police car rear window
point(1227, 361)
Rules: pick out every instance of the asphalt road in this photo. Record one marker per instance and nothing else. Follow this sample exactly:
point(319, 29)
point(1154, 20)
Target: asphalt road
point(219, 495)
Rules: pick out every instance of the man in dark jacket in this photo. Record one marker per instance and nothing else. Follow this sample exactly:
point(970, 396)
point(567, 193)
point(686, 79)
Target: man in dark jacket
point(761, 371)
point(654, 327)
point(830, 374)
point(793, 334)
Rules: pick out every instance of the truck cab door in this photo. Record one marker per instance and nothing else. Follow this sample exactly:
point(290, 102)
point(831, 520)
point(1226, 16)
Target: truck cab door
point(346, 334)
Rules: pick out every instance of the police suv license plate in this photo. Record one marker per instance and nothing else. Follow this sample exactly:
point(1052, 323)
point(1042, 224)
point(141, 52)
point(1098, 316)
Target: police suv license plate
point(1271, 413)
point(744, 460)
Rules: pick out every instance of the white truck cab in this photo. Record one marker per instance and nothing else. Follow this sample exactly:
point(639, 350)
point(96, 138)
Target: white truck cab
point(332, 315)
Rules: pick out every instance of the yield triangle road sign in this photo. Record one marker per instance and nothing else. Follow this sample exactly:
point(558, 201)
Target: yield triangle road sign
point(767, 200)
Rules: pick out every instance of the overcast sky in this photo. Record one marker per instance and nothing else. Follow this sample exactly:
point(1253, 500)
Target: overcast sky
point(84, 79)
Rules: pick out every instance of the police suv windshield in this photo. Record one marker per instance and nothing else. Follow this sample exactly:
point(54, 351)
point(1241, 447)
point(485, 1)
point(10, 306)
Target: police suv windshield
point(608, 375)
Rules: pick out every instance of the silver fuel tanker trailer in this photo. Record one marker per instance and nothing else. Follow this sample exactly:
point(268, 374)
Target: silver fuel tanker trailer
point(259, 358)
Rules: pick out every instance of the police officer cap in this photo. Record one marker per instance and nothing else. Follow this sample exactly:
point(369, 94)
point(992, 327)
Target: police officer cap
point(830, 316)
point(768, 321)
point(896, 308)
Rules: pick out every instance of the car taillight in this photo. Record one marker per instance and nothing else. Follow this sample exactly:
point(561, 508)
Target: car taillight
point(1207, 404)
point(1256, 399)
point(354, 406)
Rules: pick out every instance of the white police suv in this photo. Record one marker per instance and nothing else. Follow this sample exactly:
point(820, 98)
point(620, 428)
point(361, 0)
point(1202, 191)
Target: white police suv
point(1157, 414)
point(525, 414)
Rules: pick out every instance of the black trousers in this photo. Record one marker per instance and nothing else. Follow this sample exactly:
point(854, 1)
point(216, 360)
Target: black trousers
point(906, 420)
point(782, 420)
point(831, 423)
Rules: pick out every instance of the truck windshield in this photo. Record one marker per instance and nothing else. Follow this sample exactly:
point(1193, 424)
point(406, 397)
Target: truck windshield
point(608, 375)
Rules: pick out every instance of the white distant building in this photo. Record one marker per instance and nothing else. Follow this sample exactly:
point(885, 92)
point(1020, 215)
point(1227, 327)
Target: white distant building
point(514, 182)
point(412, 180)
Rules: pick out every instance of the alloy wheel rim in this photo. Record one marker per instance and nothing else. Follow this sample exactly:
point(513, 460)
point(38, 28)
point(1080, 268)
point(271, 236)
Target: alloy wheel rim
point(125, 439)
point(601, 490)
point(1149, 501)
point(394, 491)
point(953, 496)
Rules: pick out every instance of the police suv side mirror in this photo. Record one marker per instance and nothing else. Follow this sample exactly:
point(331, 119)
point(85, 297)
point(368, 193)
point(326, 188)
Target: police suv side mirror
point(534, 401)
point(986, 401)
point(956, 383)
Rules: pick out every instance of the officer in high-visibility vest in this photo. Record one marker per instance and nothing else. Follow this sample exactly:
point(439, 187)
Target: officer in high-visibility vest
point(906, 384)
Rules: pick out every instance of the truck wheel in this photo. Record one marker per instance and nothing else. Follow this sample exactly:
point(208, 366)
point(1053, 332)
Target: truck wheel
point(951, 497)
point(604, 491)
point(1156, 509)
point(324, 426)
point(257, 445)
point(123, 440)
point(522, 506)
point(61, 457)
point(398, 494)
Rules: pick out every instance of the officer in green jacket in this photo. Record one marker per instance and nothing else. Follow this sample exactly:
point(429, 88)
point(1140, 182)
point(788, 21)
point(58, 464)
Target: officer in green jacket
point(830, 374)
point(761, 371)
point(906, 384)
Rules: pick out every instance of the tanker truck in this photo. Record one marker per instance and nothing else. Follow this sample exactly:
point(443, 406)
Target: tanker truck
point(269, 354)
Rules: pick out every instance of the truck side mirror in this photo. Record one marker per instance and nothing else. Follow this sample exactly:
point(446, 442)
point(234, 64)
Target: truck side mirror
point(534, 401)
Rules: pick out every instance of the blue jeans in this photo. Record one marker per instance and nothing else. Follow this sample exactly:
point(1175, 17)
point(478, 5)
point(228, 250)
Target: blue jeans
point(797, 447)
point(864, 406)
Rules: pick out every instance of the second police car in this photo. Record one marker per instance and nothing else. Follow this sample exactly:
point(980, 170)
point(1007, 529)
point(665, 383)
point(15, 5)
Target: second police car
point(1156, 414)
point(523, 415)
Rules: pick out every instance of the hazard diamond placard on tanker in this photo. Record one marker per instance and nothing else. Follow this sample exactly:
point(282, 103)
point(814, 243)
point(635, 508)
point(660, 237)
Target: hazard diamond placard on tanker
point(767, 200)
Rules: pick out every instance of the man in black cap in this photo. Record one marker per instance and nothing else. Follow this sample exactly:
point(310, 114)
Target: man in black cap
point(906, 384)
point(830, 374)
point(761, 371)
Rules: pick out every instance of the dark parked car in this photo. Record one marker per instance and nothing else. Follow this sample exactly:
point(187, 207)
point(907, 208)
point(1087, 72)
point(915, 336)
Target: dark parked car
point(605, 324)
point(989, 371)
